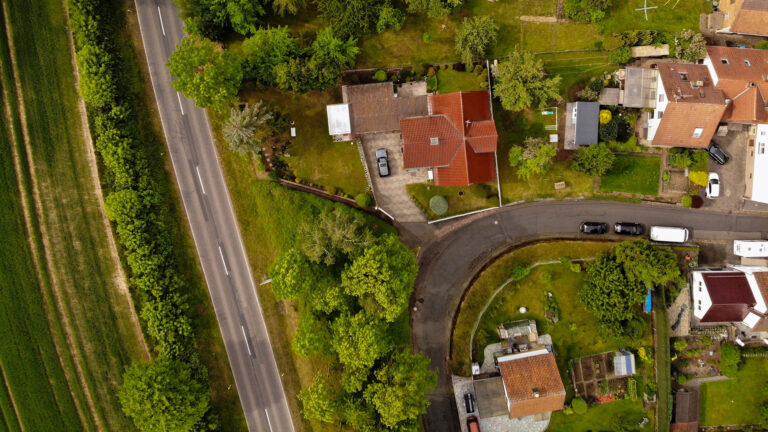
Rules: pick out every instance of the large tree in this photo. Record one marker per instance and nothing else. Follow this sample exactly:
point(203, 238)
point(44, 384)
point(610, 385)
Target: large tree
point(312, 336)
point(245, 15)
point(533, 158)
point(246, 129)
point(382, 278)
point(586, 11)
point(594, 160)
point(647, 264)
point(608, 294)
point(319, 400)
point(207, 74)
point(522, 83)
point(433, 8)
point(401, 388)
point(360, 339)
point(334, 235)
point(474, 37)
point(351, 17)
point(162, 395)
point(294, 276)
point(267, 48)
point(283, 7)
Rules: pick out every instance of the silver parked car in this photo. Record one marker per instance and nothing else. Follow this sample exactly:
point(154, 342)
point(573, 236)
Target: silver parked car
point(382, 160)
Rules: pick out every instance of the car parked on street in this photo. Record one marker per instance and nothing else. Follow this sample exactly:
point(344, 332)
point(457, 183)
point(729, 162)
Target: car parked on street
point(382, 160)
point(713, 186)
point(594, 228)
point(717, 154)
point(628, 228)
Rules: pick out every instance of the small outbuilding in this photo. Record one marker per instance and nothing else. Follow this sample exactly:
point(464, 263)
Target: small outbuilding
point(624, 364)
point(582, 120)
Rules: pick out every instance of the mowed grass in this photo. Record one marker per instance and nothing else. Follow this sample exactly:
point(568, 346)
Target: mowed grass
point(669, 15)
point(606, 417)
point(314, 156)
point(210, 345)
point(87, 299)
point(736, 401)
point(450, 81)
point(499, 272)
point(475, 197)
point(633, 174)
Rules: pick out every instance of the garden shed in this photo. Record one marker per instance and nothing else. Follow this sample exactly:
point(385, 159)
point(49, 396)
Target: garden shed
point(624, 364)
point(582, 120)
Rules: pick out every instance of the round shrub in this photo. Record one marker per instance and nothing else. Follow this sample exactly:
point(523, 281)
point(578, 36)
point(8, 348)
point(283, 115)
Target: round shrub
point(687, 201)
point(620, 55)
point(438, 204)
point(682, 379)
point(605, 116)
point(579, 406)
point(330, 190)
point(363, 200)
point(380, 75)
point(699, 178)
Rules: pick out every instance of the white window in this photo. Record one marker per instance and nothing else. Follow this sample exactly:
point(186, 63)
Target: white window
point(746, 62)
point(697, 132)
point(661, 97)
point(724, 61)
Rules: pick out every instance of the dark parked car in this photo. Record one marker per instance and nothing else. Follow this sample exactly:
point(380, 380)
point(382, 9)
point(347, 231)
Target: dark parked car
point(628, 228)
point(717, 154)
point(383, 161)
point(594, 228)
point(469, 402)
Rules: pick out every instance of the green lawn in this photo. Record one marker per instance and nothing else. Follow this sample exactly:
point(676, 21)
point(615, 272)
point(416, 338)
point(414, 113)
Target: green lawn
point(607, 417)
point(670, 15)
point(497, 273)
point(736, 401)
point(314, 156)
point(633, 174)
point(449, 81)
point(474, 197)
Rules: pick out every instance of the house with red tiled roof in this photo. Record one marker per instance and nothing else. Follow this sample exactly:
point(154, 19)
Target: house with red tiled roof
point(532, 383)
point(456, 140)
point(745, 17)
point(736, 294)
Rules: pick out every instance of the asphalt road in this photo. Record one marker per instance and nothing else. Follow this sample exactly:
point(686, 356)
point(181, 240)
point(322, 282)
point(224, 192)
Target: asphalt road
point(214, 228)
point(450, 262)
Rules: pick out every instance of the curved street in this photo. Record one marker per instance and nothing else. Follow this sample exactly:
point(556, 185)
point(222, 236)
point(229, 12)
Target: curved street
point(450, 261)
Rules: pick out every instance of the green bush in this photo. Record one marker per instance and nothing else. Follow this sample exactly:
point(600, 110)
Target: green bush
point(330, 190)
point(520, 272)
point(698, 178)
point(579, 406)
point(363, 200)
point(432, 83)
point(730, 359)
point(687, 201)
point(680, 159)
point(380, 75)
point(620, 55)
point(680, 344)
point(575, 267)
point(426, 37)
point(609, 131)
point(762, 45)
point(438, 204)
point(682, 379)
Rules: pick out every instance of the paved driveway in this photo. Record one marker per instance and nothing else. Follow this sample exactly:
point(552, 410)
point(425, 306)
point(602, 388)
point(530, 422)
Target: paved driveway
point(390, 192)
point(732, 184)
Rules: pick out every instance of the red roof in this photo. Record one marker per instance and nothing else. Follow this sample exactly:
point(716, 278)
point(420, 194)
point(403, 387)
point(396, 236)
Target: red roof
point(731, 296)
point(532, 385)
point(458, 138)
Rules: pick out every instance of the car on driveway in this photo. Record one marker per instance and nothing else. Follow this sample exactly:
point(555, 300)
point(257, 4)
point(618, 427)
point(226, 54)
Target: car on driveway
point(713, 186)
point(382, 160)
point(594, 228)
point(628, 228)
point(717, 154)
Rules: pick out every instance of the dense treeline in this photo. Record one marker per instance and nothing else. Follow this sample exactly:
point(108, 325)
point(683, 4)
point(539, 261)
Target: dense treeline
point(133, 201)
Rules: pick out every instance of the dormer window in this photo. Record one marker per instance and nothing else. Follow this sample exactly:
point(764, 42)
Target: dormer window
point(698, 132)
point(683, 76)
point(724, 61)
point(434, 141)
point(747, 63)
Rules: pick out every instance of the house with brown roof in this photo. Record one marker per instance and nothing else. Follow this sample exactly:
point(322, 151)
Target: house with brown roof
point(745, 17)
point(456, 139)
point(532, 383)
point(735, 294)
point(688, 107)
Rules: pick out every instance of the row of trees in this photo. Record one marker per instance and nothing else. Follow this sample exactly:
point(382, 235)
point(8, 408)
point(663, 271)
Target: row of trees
point(136, 207)
point(351, 286)
point(616, 284)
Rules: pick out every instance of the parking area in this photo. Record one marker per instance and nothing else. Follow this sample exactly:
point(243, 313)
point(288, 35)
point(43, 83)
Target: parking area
point(390, 192)
point(732, 183)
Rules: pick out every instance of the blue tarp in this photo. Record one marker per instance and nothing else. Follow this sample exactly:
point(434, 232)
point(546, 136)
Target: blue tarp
point(648, 302)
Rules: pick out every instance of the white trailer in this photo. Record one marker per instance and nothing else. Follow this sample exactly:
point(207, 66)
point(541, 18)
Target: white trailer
point(751, 248)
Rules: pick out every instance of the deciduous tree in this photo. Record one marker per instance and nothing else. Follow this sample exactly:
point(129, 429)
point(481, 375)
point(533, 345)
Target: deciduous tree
point(207, 74)
point(333, 235)
point(475, 35)
point(319, 400)
point(433, 8)
point(312, 336)
point(690, 45)
point(284, 7)
point(293, 275)
point(608, 294)
point(382, 278)
point(586, 11)
point(359, 340)
point(594, 160)
point(351, 17)
point(245, 15)
point(401, 388)
point(267, 48)
point(534, 158)
point(522, 83)
point(161, 395)
point(647, 264)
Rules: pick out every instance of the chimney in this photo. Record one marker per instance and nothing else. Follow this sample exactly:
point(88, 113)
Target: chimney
point(434, 141)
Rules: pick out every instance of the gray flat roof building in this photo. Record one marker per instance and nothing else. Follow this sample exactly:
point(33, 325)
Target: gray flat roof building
point(640, 87)
point(582, 121)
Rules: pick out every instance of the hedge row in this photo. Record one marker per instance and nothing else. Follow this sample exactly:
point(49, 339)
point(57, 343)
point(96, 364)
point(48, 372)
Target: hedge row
point(133, 203)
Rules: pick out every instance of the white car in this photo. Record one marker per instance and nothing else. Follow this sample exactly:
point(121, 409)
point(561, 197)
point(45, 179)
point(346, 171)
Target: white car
point(713, 186)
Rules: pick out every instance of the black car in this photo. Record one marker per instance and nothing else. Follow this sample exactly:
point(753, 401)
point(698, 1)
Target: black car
point(628, 228)
point(717, 154)
point(594, 228)
point(382, 160)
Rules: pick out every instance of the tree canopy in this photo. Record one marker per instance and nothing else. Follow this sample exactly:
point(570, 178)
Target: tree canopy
point(646, 264)
point(207, 74)
point(382, 278)
point(586, 11)
point(267, 48)
point(161, 395)
point(332, 235)
point(246, 128)
point(318, 401)
point(608, 294)
point(534, 158)
point(286, 7)
point(522, 83)
point(359, 340)
point(352, 17)
point(245, 15)
point(475, 35)
point(594, 160)
point(433, 8)
point(293, 275)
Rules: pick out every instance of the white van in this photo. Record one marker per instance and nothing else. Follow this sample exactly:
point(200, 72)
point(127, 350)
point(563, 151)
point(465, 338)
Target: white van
point(751, 248)
point(669, 234)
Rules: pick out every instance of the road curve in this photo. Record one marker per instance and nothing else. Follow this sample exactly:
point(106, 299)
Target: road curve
point(217, 237)
point(450, 262)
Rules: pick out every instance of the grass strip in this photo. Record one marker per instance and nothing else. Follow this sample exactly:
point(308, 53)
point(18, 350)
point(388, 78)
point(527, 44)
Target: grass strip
point(663, 363)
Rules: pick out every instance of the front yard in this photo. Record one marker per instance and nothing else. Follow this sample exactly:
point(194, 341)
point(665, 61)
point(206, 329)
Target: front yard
point(736, 401)
point(620, 415)
point(633, 174)
point(461, 199)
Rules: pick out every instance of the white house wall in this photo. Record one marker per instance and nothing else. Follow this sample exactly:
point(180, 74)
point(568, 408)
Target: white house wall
point(711, 69)
point(661, 105)
point(701, 300)
point(760, 172)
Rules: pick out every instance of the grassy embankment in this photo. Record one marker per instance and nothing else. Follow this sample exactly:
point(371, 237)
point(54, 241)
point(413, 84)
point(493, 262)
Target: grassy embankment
point(71, 319)
point(225, 400)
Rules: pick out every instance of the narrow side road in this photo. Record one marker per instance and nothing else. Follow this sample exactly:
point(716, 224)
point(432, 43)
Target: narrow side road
point(217, 237)
point(450, 262)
